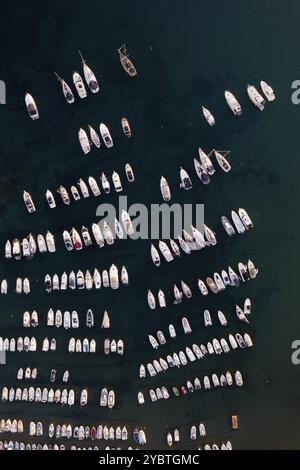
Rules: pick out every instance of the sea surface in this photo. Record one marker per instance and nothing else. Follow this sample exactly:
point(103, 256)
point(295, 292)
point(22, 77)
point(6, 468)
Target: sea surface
point(186, 53)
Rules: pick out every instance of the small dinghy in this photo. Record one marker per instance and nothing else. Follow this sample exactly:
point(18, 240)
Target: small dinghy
point(186, 182)
point(84, 141)
point(67, 92)
point(79, 85)
point(208, 116)
point(89, 76)
point(31, 107)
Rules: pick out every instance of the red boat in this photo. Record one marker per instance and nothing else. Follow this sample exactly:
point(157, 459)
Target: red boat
point(93, 433)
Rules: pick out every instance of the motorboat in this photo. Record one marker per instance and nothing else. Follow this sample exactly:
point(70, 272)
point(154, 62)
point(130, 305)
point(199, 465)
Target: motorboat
point(240, 227)
point(190, 240)
point(105, 321)
point(111, 399)
point(233, 103)
point(243, 271)
point(151, 300)
point(126, 220)
point(26, 319)
point(75, 193)
point(76, 239)
point(117, 182)
point(248, 340)
point(126, 127)
point(107, 233)
point(202, 287)
point(80, 280)
point(193, 433)
point(120, 347)
point(32, 245)
point(212, 285)
point(31, 107)
point(64, 195)
point(256, 98)
point(175, 248)
point(3, 287)
point(105, 278)
point(83, 397)
point(89, 76)
point(227, 226)
point(208, 116)
point(225, 277)
point(165, 251)
point(155, 256)
point(72, 280)
point(190, 355)
point(199, 238)
point(161, 338)
point(94, 186)
point(26, 285)
point(234, 279)
point(178, 295)
point(28, 202)
point(207, 318)
point(67, 92)
point(219, 282)
point(94, 136)
point(232, 341)
point(222, 162)
point(186, 182)
point(206, 383)
point(206, 162)
point(141, 398)
point(201, 172)
point(238, 379)
point(165, 189)
point(222, 318)
point(55, 282)
point(210, 236)
point(199, 355)
point(114, 277)
point(253, 271)
point(169, 439)
point(105, 183)
point(86, 236)
point(240, 341)
point(97, 279)
point(267, 91)
point(25, 248)
point(186, 326)
point(67, 320)
point(68, 240)
point(161, 299)
point(58, 318)
point(41, 242)
point(19, 285)
point(98, 235)
point(247, 306)
point(104, 397)
point(79, 85)
point(50, 242)
point(106, 136)
point(8, 250)
point(244, 216)
point(84, 141)
point(217, 346)
point(184, 245)
point(126, 62)
point(129, 173)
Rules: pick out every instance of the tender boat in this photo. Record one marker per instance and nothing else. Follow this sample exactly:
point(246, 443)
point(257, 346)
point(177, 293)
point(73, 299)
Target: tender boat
point(227, 226)
point(237, 222)
point(165, 251)
point(267, 91)
point(89, 76)
point(155, 256)
point(126, 62)
point(28, 202)
point(31, 107)
point(233, 103)
point(129, 173)
point(208, 116)
point(68, 94)
point(223, 163)
point(126, 127)
point(84, 141)
point(117, 182)
point(256, 97)
point(79, 85)
point(165, 189)
point(244, 216)
point(105, 134)
point(185, 180)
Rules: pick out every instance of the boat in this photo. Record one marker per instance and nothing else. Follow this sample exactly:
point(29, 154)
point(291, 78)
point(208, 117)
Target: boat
point(151, 300)
point(25, 248)
point(256, 98)
point(253, 271)
point(86, 236)
point(225, 278)
point(53, 344)
point(210, 236)
point(98, 235)
point(227, 226)
point(142, 371)
point(76, 240)
point(26, 286)
point(129, 173)
point(193, 433)
point(72, 280)
point(207, 318)
point(233, 103)
point(97, 279)
point(75, 193)
point(161, 299)
point(67, 320)
point(106, 346)
point(28, 202)
point(79, 85)
point(232, 341)
point(234, 279)
point(153, 342)
point(105, 183)
point(219, 282)
point(238, 379)
point(206, 162)
point(267, 91)
point(126, 62)
point(208, 116)
point(103, 397)
point(244, 216)
point(68, 240)
point(155, 256)
point(240, 341)
point(88, 279)
point(222, 318)
point(16, 250)
point(117, 182)
point(141, 399)
point(165, 189)
point(212, 285)
point(119, 232)
point(206, 383)
point(83, 397)
point(41, 242)
point(186, 326)
point(199, 238)
point(185, 180)
point(3, 288)
point(19, 285)
point(50, 242)
point(127, 223)
point(202, 430)
point(178, 295)
point(201, 172)
point(247, 306)
point(191, 356)
point(94, 186)
point(199, 355)
point(80, 280)
point(89, 76)
point(67, 92)
point(222, 162)
point(184, 245)
point(169, 439)
point(243, 272)
point(55, 282)
point(107, 233)
point(32, 245)
point(217, 346)
point(126, 127)
point(165, 251)
point(202, 287)
point(120, 347)
point(105, 278)
point(84, 141)
point(111, 399)
point(58, 318)
point(31, 107)
point(248, 340)
point(106, 136)
point(175, 248)
point(114, 277)
point(240, 227)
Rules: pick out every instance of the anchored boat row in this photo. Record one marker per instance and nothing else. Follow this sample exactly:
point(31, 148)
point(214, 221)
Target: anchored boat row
point(44, 395)
point(28, 246)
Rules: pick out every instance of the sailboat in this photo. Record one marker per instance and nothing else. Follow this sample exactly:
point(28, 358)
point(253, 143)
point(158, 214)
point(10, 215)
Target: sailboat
point(126, 62)
point(68, 94)
point(208, 116)
point(223, 163)
point(206, 162)
point(89, 76)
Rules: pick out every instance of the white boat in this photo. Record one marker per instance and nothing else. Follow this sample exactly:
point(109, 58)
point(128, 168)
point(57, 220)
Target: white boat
point(185, 180)
point(105, 321)
point(68, 240)
point(238, 379)
point(120, 347)
point(153, 342)
point(64, 195)
point(234, 279)
point(86, 237)
point(126, 62)
point(207, 318)
point(111, 399)
point(50, 317)
point(31, 107)
point(232, 341)
point(3, 288)
point(50, 242)
point(155, 256)
point(222, 318)
point(79, 85)
point(8, 250)
point(114, 277)
point(28, 202)
point(84, 141)
point(244, 216)
point(233, 103)
point(41, 242)
point(253, 271)
point(68, 94)
point(126, 127)
point(208, 116)
point(256, 98)
point(71, 347)
point(165, 189)
point(141, 398)
point(227, 226)
point(206, 383)
point(193, 433)
point(186, 326)
point(267, 91)
point(243, 271)
point(94, 186)
point(105, 183)
point(127, 223)
point(219, 282)
point(32, 245)
point(248, 340)
point(26, 319)
point(55, 282)
point(89, 76)
point(103, 397)
point(80, 280)
point(186, 290)
point(247, 306)
point(46, 345)
point(98, 235)
point(58, 319)
point(165, 251)
point(26, 286)
point(199, 238)
point(222, 162)
point(83, 397)
point(202, 430)
point(201, 172)
point(206, 162)
point(210, 236)
point(117, 182)
point(19, 285)
point(178, 295)
point(202, 287)
point(25, 248)
point(83, 188)
point(161, 299)
point(172, 331)
point(184, 245)
point(105, 278)
point(67, 320)
point(105, 134)
point(161, 337)
point(94, 136)
point(169, 439)
point(75, 193)
point(129, 173)
point(217, 346)
point(142, 371)
point(97, 279)
point(107, 233)
point(151, 300)
point(175, 248)
point(190, 240)
point(237, 222)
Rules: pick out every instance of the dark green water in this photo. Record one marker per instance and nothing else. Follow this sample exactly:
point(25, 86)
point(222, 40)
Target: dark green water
point(186, 54)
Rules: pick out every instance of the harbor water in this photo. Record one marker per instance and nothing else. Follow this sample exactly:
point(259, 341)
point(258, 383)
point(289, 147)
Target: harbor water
point(186, 53)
